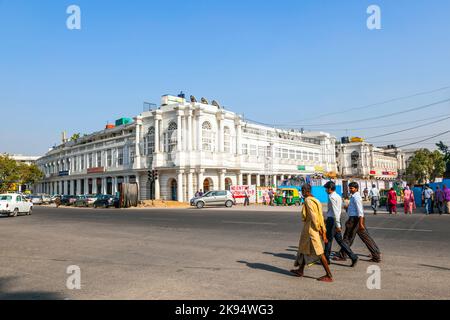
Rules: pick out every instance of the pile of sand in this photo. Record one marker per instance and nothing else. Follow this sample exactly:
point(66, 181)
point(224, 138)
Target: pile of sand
point(162, 204)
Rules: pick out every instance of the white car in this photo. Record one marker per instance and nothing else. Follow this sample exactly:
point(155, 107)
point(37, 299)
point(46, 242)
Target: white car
point(13, 204)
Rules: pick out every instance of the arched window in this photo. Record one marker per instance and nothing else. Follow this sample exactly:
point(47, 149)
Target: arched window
point(208, 137)
point(171, 137)
point(149, 146)
point(227, 140)
point(355, 159)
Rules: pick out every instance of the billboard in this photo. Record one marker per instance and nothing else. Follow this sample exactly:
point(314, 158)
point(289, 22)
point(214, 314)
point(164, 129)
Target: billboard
point(239, 194)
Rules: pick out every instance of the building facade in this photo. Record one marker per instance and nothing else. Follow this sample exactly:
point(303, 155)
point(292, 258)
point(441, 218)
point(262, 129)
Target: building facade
point(362, 160)
point(193, 146)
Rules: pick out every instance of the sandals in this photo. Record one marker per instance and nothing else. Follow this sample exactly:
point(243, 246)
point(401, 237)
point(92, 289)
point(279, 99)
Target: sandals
point(325, 279)
point(297, 273)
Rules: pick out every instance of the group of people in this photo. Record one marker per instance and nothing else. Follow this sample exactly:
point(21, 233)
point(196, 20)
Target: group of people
point(439, 199)
point(316, 230)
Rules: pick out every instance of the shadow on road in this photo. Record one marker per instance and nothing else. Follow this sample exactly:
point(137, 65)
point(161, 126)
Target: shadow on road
point(435, 267)
point(282, 255)
point(5, 283)
point(266, 267)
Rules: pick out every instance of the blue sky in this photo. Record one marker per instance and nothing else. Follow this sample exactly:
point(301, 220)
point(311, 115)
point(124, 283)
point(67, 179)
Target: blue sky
point(273, 61)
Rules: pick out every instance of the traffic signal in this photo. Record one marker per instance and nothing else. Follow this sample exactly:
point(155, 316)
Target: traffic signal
point(155, 175)
point(150, 175)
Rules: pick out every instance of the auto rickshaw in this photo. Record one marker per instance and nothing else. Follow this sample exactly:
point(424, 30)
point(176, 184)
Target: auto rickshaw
point(292, 197)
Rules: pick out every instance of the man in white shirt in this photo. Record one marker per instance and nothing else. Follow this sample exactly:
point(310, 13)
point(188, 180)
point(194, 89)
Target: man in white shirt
point(333, 224)
point(374, 196)
point(356, 225)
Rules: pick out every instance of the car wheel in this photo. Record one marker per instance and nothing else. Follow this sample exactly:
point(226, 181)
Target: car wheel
point(297, 204)
point(200, 205)
point(228, 204)
point(15, 213)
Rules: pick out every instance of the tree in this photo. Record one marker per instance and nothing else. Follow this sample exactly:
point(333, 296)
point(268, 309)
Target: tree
point(425, 166)
point(75, 137)
point(29, 174)
point(13, 173)
point(9, 173)
point(446, 151)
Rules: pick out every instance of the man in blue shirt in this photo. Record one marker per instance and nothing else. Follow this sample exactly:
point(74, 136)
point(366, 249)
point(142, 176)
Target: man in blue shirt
point(356, 225)
point(333, 224)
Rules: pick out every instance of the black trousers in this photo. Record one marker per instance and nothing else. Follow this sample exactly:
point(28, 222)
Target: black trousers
point(332, 234)
point(352, 229)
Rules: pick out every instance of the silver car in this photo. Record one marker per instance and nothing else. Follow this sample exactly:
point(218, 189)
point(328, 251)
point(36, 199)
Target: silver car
point(214, 198)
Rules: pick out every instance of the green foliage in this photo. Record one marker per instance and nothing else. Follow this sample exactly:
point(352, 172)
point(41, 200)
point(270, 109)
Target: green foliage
point(75, 137)
point(9, 173)
point(13, 173)
point(426, 166)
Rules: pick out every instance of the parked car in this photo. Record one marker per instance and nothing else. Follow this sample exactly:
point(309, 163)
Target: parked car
point(13, 204)
point(81, 201)
point(214, 198)
point(68, 200)
point(106, 201)
point(46, 199)
point(37, 200)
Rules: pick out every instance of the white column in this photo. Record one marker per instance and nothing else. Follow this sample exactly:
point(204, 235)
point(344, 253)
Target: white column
point(157, 189)
point(221, 118)
point(240, 179)
point(86, 185)
point(274, 181)
point(199, 134)
point(185, 136)
point(194, 132)
point(104, 185)
point(189, 132)
point(190, 184)
point(239, 139)
point(114, 185)
point(94, 185)
point(137, 153)
point(200, 180)
point(258, 180)
point(222, 179)
point(180, 191)
point(156, 135)
point(179, 131)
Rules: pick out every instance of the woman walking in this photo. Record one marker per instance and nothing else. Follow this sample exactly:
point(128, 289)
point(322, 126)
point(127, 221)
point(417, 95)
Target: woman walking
point(409, 201)
point(392, 201)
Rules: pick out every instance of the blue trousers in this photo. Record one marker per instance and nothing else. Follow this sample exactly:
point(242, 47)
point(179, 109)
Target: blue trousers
point(428, 208)
point(332, 234)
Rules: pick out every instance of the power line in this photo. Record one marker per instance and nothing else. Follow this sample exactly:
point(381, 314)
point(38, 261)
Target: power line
point(417, 142)
point(383, 126)
point(422, 107)
point(382, 102)
point(408, 129)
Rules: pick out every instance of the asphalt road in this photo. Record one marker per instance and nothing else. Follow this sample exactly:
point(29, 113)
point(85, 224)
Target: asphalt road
point(209, 254)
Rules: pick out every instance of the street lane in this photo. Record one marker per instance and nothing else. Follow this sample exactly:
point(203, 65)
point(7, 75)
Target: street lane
point(206, 254)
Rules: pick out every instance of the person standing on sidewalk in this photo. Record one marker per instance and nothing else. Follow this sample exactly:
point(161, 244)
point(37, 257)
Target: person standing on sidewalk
point(356, 225)
point(333, 224)
point(313, 233)
point(447, 198)
point(374, 196)
point(392, 201)
point(409, 201)
point(439, 197)
point(246, 198)
point(271, 197)
point(427, 196)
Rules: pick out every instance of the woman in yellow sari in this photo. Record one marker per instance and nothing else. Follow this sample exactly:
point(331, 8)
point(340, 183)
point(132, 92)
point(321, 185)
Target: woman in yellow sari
point(314, 231)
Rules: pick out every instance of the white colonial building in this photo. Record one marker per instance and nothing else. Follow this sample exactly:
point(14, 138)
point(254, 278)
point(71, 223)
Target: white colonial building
point(362, 160)
point(193, 146)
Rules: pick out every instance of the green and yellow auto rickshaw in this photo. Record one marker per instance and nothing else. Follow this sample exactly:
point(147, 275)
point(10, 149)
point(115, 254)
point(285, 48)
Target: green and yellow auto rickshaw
point(288, 197)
